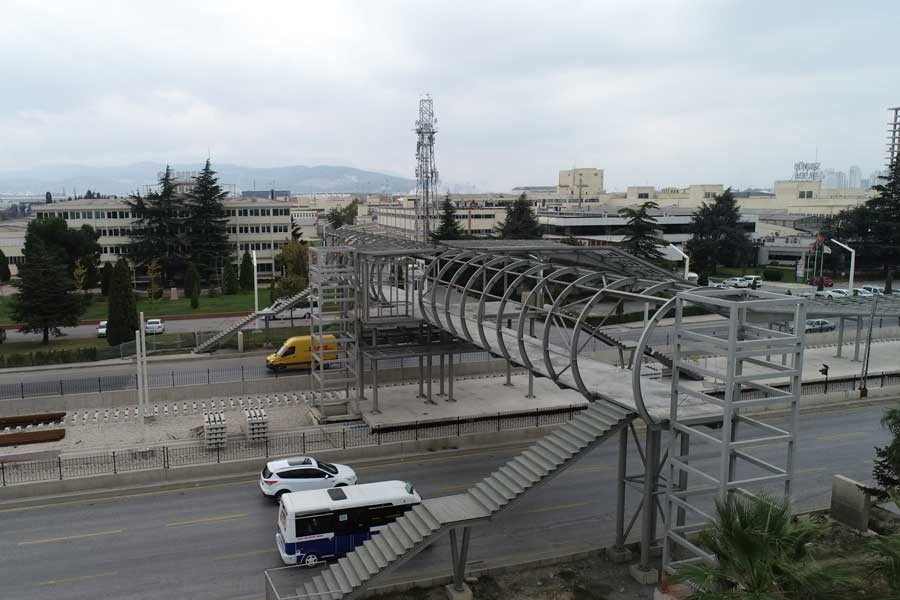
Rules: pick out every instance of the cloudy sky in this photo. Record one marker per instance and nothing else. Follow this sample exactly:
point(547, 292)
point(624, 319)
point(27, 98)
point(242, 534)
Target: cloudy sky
point(668, 93)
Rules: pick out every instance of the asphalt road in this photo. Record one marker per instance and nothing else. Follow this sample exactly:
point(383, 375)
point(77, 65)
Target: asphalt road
point(214, 541)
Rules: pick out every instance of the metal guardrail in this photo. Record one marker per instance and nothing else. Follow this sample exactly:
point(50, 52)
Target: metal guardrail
point(174, 378)
point(283, 444)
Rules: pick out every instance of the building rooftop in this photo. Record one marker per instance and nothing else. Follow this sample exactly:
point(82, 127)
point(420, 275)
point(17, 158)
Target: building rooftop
point(118, 202)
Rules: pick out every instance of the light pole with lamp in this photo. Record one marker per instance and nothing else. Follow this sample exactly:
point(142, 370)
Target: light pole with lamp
point(255, 289)
point(852, 262)
point(687, 260)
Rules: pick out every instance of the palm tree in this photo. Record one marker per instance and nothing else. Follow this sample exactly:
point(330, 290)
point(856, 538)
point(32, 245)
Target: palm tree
point(763, 553)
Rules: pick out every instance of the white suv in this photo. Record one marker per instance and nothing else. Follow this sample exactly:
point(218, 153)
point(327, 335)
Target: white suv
point(303, 473)
point(154, 326)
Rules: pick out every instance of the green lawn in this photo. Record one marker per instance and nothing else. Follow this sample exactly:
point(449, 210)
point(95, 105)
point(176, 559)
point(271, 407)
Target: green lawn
point(241, 302)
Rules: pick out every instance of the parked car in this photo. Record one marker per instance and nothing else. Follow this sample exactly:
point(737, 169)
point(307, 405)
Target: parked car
point(101, 329)
point(302, 473)
point(826, 281)
point(736, 282)
point(154, 326)
point(863, 293)
point(755, 280)
point(836, 294)
point(875, 290)
point(818, 326)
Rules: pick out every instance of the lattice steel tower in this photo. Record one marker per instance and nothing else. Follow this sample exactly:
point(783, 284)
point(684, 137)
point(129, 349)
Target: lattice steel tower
point(893, 137)
point(426, 172)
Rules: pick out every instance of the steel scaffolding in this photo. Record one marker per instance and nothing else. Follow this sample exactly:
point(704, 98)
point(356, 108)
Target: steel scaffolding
point(713, 460)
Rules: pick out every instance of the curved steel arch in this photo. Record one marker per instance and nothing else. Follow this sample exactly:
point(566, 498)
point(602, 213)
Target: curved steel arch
point(485, 292)
point(502, 309)
point(465, 294)
point(520, 330)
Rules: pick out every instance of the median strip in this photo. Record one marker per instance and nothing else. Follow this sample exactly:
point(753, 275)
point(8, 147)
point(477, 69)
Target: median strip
point(77, 579)
point(557, 507)
point(69, 538)
point(207, 520)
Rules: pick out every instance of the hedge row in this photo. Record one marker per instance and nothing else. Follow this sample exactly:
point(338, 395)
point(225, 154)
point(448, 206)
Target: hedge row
point(48, 357)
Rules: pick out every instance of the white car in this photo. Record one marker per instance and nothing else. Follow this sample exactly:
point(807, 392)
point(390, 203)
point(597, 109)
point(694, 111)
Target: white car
point(874, 290)
point(836, 294)
point(753, 278)
point(154, 326)
point(101, 329)
point(302, 473)
point(737, 282)
point(863, 293)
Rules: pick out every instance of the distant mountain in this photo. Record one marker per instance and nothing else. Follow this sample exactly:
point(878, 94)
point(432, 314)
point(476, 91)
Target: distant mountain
point(128, 178)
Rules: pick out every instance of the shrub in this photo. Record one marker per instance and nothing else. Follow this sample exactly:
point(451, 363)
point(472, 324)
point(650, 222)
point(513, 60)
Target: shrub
point(773, 274)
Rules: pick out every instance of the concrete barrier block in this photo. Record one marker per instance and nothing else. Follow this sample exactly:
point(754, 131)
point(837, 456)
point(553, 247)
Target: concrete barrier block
point(850, 505)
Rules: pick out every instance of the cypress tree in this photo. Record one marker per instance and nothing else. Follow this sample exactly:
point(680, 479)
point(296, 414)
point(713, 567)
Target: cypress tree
point(122, 318)
point(520, 223)
point(449, 228)
point(247, 274)
point(158, 230)
point(106, 275)
point(46, 298)
point(207, 223)
point(194, 288)
point(230, 284)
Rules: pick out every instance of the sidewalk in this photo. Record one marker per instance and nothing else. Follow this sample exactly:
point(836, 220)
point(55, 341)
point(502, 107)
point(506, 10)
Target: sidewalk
point(118, 362)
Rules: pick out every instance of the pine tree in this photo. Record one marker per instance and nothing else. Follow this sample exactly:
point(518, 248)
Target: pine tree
point(5, 274)
point(520, 223)
point(122, 316)
point(247, 274)
point(449, 228)
point(46, 299)
point(207, 224)
point(640, 239)
point(189, 275)
point(158, 230)
point(193, 289)
point(718, 236)
point(230, 285)
point(106, 275)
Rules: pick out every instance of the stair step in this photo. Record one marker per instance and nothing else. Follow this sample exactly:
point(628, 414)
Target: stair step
point(528, 468)
point(566, 441)
point(555, 447)
point(593, 420)
point(586, 428)
point(484, 500)
point(421, 526)
point(400, 533)
point(493, 494)
point(604, 409)
point(576, 437)
point(310, 589)
point(384, 547)
point(375, 552)
point(409, 529)
point(321, 589)
point(510, 471)
point(362, 571)
point(349, 572)
point(396, 544)
point(332, 585)
point(540, 460)
point(506, 493)
point(345, 585)
point(367, 559)
point(426, 516)
point(509, 483)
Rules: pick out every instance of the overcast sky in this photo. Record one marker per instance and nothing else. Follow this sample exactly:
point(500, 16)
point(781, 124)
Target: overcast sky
point(669, 93)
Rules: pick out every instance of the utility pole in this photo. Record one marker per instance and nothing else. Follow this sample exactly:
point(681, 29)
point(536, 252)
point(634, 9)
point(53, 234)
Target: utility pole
point(581, 185)
point(852, 263)
point(687, 260)
point(255, 290)
point(863, 387)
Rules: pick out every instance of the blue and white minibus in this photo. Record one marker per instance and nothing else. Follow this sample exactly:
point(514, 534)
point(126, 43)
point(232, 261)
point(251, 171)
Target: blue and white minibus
point(319, 524)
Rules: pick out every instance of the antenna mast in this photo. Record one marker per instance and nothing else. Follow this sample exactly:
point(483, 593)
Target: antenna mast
point(426, 172)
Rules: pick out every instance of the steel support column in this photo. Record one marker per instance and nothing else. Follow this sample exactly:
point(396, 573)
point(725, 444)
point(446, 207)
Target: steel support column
point(450, 378)
point(840, 340)
point(459, 554)
point(620, 489)
point(375, 387)
point(651, 477)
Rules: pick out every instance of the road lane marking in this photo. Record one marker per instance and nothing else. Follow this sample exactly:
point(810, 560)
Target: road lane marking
point(557, 507)
point(591, 469)
point(438, 458)
point(246, 554)
point(71, 537)
point(813, 470)
point(77, 579)
point(126, 496)
point(841, 436)
point(455, 486)
point(208, 520)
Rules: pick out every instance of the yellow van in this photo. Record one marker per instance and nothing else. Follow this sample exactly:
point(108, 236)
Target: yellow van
point(296, 352)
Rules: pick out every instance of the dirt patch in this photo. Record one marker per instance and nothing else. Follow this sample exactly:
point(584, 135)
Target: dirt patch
point(592, 578)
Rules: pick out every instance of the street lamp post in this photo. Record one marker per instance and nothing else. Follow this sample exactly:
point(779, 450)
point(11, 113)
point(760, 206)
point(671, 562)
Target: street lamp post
point(255, 289)
point(687, 260)
point(852, 261)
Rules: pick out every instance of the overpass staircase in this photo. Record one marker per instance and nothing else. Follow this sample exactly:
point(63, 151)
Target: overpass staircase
point(398, 542)
point(280, 305)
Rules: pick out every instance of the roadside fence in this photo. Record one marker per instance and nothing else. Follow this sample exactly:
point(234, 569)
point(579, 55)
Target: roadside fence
point(282, 444)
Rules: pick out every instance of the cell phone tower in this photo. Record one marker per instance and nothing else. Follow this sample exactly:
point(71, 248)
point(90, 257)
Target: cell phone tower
point(893, 138)
point(426, 172)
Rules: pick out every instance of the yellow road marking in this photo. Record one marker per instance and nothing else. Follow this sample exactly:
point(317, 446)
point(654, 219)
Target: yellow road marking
point(208, 520)
point(246, 554)
point(125, 496)
point(841, 436)
point(76, 579)
point(557, 507)
point(71, 537)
